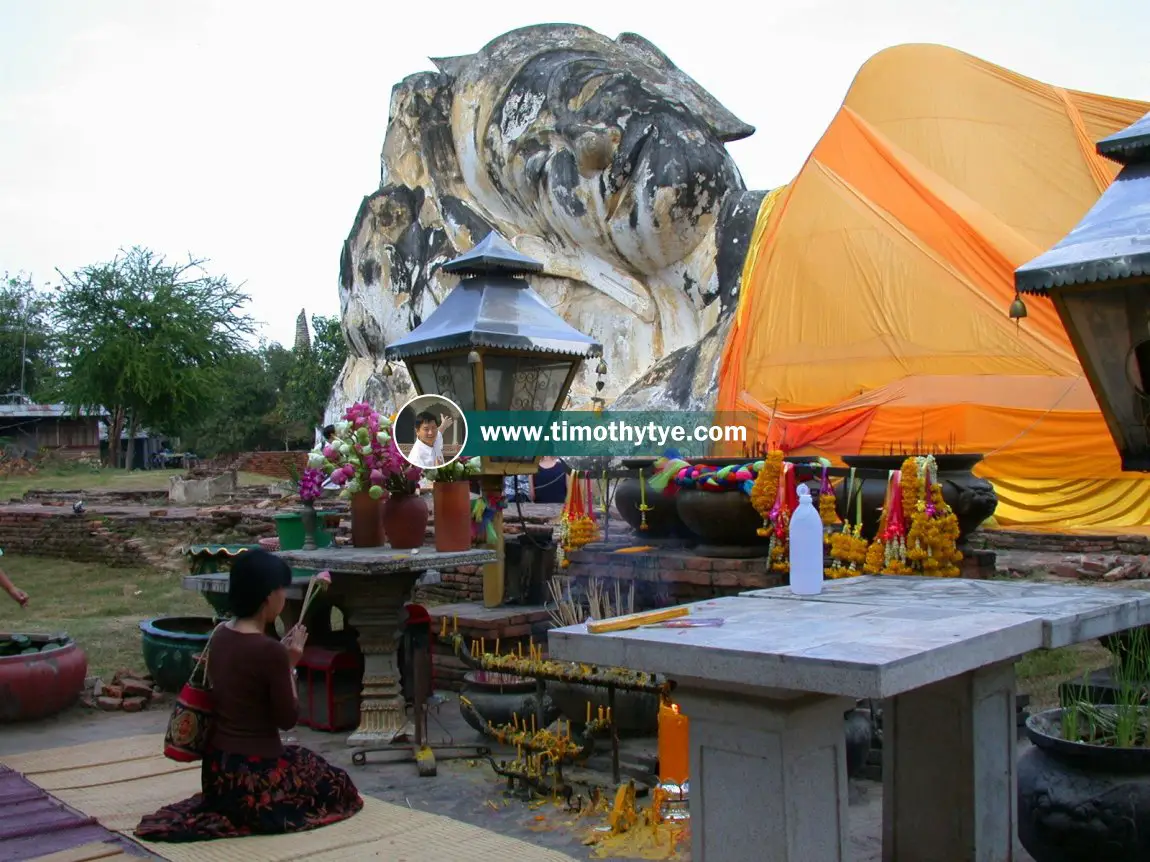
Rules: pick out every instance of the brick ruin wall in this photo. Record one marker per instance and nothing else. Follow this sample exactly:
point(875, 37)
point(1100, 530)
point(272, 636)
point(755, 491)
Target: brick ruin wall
point(276, 465)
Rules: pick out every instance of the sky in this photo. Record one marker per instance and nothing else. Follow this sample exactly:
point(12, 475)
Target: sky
point(247, 132)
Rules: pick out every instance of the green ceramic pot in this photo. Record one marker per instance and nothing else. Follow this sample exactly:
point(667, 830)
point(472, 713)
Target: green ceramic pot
point(171, 646)
point(290, 529)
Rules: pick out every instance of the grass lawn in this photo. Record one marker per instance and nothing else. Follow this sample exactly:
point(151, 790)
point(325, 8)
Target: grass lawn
point(83, 478)
point(1040, 672)
point(99, 606)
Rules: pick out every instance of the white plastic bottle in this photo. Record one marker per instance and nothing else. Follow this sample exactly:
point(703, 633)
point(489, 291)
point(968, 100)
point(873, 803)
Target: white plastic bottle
point(806, 552)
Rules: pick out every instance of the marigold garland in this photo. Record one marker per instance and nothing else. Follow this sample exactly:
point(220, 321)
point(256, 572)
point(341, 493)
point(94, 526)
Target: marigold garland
point(848, 547)
point(765, 490)
point(577, 526)
point(827, 511)
point(931, 543)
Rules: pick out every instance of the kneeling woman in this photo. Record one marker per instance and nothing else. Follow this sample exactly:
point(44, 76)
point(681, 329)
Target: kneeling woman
point(252, 784)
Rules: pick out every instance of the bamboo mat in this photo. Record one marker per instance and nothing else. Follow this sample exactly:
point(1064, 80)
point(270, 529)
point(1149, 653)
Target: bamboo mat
point(119, 781)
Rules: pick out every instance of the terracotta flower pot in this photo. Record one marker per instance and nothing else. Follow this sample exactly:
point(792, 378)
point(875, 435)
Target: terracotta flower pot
point(405, 520)
point(452, 502)
point(367, 529)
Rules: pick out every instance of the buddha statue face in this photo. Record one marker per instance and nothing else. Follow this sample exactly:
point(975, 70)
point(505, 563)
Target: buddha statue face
point(602, 145)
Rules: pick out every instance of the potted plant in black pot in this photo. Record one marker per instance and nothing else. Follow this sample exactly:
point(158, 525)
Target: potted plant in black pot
point(1084, 786)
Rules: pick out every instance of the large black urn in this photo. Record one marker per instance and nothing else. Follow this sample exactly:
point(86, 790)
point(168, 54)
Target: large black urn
point(1079, 802)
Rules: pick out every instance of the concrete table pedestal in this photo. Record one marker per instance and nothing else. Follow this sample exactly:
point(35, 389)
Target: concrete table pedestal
point(377, 614)
point(772, 767)
point(949, 755)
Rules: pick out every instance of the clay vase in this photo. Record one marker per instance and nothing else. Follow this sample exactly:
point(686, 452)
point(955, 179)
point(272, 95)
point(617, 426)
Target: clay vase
point(366, 521)
point(452, 502)
point(405, 520)
point(972, 499)
point(309, 525)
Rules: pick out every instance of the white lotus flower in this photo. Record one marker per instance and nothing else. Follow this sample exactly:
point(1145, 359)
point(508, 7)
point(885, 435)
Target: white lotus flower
point(315, 460)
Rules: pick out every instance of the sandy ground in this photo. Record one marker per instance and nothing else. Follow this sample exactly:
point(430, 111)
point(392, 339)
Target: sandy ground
point(464, 790)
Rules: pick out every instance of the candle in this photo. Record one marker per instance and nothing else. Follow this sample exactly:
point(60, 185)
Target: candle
point(483, 646)
point(515, 720)
point(443, 627)
point(588, 712)
point(608, 715)
point(600, 713)
point(674, 750)
point(454, 624)
point(532, 722)
point(521, 649)
point(497, 646)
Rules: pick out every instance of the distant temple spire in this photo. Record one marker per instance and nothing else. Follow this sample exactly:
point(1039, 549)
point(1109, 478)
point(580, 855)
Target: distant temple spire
point(302, 333)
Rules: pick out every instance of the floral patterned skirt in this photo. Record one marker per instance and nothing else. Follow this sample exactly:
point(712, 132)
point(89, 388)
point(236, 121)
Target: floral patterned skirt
point(255, 796)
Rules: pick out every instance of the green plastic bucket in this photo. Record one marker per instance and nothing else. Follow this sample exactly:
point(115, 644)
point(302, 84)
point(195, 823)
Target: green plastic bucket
point(289, 528)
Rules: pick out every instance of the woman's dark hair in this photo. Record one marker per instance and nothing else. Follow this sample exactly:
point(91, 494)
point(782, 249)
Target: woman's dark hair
point(425, 416)
point(328, 432)
point(255, 575)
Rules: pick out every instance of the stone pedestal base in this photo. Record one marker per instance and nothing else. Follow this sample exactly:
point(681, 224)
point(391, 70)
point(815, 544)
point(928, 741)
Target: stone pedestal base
point(772, 770)
point(949, 782)
point(377, 616)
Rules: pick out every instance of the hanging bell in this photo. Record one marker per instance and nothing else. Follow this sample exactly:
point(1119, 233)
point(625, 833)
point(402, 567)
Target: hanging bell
point(601, 368)
point(387, 372)
point(473, 357)
point(599, 384)
point(1017, 308)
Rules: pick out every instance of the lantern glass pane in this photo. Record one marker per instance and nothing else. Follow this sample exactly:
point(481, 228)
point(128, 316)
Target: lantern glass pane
point(525, 382)
point(1112, 329)
point(449, 376)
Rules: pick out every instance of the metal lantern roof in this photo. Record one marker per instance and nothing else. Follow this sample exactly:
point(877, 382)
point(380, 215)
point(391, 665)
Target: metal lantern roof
point(494, 307)
point(1130, 145)
point(1113, 239)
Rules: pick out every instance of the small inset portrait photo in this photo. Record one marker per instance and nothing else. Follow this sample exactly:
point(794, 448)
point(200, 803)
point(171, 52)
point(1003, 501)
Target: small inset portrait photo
point(430, 431)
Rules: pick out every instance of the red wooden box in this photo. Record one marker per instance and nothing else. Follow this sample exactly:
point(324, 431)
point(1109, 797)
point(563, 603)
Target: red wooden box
point(330, 682)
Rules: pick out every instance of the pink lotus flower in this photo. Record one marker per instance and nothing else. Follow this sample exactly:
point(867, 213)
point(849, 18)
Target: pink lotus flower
point(324, 577)
point(329, 452)
point(377, 477)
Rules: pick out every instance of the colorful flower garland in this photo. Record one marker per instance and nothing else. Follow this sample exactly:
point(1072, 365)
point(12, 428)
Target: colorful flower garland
point(918, 532)
point(848, 547)
point(483, 516)
point(577, 523)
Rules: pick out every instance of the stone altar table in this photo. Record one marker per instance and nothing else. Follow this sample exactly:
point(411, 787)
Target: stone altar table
point(766, 693)
point(371, 585)
point(921, 726)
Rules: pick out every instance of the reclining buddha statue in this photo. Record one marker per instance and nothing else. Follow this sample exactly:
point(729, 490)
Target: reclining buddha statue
point(597, 157)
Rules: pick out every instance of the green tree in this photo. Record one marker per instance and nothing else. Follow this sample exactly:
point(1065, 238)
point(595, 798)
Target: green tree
point(147, 340)
point(314, 372)
point(26, 348)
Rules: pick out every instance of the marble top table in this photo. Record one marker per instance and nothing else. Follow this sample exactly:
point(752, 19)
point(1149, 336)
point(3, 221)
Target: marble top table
point(1069, 614)
point(766, 691)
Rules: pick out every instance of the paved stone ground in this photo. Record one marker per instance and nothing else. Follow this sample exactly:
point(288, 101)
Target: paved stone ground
point(464, 790)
